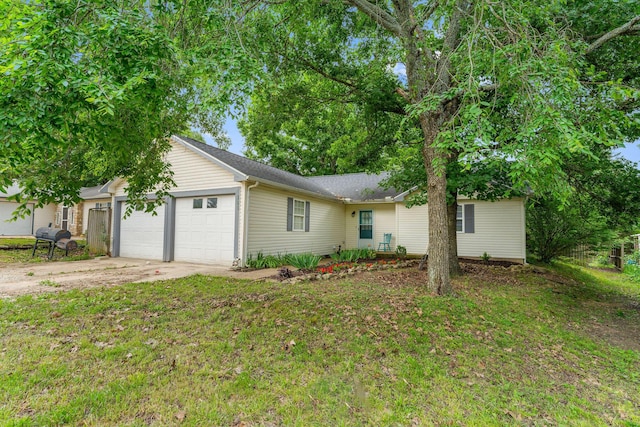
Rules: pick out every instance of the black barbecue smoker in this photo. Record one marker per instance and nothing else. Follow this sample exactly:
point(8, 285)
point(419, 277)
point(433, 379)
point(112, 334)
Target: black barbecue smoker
point(54, 237)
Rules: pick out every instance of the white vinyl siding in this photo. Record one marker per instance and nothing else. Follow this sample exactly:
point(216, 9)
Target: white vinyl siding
point(413, 228)
point(268, 224)
point(192, 171)
point(499, 230)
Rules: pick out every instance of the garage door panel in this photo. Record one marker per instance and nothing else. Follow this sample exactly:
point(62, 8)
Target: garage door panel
point(205, 235)
point(142, 234)
point(20, 227)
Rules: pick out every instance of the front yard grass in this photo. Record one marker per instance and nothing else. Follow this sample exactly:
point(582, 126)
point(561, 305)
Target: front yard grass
point(508, 349)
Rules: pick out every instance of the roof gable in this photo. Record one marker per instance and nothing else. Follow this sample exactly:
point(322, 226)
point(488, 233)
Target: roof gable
point(247, 169)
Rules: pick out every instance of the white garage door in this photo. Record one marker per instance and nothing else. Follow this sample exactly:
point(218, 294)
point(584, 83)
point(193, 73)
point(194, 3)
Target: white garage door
point(205, 229)
point(142, 234)
point(21, 227)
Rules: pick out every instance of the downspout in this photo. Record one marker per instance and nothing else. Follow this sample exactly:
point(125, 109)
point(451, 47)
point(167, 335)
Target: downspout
point(245, 253)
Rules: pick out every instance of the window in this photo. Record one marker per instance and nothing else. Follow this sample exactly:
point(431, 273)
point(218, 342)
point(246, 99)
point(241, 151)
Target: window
point(57, 219)
point(197, 203)
point(212, 202)
point(72, 217)
point(297, 214)
point(465, 218)
point(101, 205)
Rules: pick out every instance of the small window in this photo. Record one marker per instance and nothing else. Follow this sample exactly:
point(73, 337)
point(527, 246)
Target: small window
point(212, 202)
point(72, 217)
point(459, 219)
point(298, 215)
point(57, 221)
point(197, 203)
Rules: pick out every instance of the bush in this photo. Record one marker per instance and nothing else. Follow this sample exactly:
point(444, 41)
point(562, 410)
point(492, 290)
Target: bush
point(269, 261)
point(354, 255)
point(401, 252)
point(305, 261)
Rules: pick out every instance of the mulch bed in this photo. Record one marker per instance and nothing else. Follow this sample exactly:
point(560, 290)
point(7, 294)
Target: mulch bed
point(467, 265)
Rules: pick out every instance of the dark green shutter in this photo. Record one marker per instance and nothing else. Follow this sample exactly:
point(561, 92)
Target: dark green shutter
point(307, 210)
point(289, 213)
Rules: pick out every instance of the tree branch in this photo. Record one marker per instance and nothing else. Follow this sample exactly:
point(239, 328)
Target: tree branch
point(378, 14)
point(621, 30)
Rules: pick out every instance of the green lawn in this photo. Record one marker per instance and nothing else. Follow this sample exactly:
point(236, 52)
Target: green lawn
point(509, 349)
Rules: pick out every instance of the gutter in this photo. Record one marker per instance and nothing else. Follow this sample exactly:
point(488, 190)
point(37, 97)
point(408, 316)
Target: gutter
point(291, 188)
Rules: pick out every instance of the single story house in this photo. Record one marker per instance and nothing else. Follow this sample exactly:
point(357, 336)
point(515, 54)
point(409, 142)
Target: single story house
point(225, 207)
point(40, 217)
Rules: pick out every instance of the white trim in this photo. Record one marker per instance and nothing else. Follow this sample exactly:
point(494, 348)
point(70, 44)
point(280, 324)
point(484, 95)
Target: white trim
point(294, 215)
point(461, 209)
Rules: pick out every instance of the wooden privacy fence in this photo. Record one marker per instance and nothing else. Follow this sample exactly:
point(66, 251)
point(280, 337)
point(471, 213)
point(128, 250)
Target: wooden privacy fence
point(99, 230)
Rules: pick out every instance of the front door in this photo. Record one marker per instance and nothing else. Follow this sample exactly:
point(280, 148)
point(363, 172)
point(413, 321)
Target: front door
point(365, 229)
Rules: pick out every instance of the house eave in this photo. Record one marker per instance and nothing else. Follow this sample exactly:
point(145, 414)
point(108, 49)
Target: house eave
point(386, 200)
point(290, 188)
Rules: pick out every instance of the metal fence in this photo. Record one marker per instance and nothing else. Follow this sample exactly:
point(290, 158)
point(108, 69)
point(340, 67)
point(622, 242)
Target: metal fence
point(99, 230)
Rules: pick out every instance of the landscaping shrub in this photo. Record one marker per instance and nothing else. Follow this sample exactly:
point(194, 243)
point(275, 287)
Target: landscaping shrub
point(304, 261)
point(354, 255)
point(269, 261)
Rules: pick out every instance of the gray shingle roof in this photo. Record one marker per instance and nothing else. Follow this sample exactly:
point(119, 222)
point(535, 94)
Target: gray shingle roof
point(355, 186)
point(87, 193)
point(258, 170)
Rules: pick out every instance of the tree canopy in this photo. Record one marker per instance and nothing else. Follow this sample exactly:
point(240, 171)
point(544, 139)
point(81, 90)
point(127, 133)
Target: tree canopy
point(89, 92)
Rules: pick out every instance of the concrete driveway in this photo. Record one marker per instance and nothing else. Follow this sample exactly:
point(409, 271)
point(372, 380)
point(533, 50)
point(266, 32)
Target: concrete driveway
point(20, 279)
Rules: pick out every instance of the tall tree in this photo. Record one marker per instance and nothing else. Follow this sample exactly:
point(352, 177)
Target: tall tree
point(484, 80)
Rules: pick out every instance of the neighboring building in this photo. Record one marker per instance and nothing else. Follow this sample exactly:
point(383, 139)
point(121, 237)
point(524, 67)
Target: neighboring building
point(40, 217)
point(226, 206)
point(75, 218)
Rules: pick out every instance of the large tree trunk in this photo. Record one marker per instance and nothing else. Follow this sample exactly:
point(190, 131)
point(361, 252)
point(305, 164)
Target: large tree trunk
point(454, 265)
point(428, 72)
point(434, 163)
